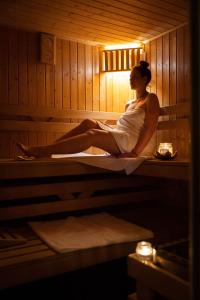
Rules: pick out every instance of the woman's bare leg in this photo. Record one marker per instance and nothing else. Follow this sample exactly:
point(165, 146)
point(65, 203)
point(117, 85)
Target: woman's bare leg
point(84, 126)
point(94, 137)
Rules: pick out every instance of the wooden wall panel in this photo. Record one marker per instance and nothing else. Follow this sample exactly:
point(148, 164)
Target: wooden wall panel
point(33, 138)
point(66, 74)
point(32, 68)
point(49, 84)
point(4, 145)
point(81, 77)
point(170, 66)
point(165, 70)
point(165, 84)
point(96, 77)
point(41, 90)
point(186, 69)
point(159, 69)
point(88, 77)
point(153, 66)
point(74, 82)
point(109, 91)
point(116, 96)
point(59, 75)
point(23, 68)
point(3, 66)
point(73, 79)
point(13, 86)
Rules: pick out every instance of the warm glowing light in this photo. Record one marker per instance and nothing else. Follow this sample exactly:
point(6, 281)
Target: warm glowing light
point(165, 147)
point(144, 251)
point(123, 46)
point(122, 76)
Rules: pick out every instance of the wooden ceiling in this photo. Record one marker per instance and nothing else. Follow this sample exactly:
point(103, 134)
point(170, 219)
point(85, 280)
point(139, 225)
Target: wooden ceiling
point(98, 22)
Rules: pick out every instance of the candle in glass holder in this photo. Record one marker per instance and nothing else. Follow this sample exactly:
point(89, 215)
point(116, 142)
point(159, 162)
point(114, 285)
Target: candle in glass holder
point(165, 147)
point(144, 251)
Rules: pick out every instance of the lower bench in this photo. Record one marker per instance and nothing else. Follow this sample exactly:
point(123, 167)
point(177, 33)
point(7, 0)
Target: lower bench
point(36, 188)
point(34, 260)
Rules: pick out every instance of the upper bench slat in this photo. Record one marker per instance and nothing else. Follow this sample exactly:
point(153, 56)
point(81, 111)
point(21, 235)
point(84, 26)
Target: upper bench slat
point(180, 109)
point(45, 112)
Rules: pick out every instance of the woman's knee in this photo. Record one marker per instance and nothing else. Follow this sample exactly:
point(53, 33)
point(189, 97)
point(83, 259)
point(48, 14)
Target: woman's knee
point(89, 124)
point(92, 131)
point(97, 136)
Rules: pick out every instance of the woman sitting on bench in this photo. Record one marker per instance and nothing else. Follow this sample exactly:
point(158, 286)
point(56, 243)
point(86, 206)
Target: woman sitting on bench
point(129, 138)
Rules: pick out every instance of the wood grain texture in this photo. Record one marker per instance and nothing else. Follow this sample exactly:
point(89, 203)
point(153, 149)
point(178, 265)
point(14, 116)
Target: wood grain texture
point(169, 62)
point(152, 280)
point(76, 83)
point(96, 22)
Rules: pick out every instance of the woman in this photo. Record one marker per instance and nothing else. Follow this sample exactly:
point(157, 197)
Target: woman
point(130, 137)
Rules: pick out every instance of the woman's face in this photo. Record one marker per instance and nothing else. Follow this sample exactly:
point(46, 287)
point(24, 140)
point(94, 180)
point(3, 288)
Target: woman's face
point(136, 80)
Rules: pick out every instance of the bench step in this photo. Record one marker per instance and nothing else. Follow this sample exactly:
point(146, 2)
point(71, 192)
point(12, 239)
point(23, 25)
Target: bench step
point(9, 238)
point(35, 260)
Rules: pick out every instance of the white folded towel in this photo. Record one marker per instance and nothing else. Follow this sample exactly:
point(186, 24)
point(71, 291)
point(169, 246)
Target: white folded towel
point(74, 233)
point(105, 161)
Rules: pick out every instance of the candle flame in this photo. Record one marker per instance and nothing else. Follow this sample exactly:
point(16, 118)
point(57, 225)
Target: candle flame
point(165, 147)
point(144, 250)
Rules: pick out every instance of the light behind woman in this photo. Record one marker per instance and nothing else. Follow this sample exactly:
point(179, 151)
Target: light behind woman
point(129, 138)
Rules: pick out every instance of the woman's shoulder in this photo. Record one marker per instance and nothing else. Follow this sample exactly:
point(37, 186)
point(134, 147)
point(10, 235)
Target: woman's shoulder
point(152, 96)
point(152, 103)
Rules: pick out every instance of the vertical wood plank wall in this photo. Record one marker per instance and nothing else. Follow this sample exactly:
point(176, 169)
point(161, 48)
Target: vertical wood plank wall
point(169, 58)
point(76, 81)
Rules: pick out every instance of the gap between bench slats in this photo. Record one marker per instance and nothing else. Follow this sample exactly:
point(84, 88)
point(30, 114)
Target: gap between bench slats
point(25, 254)
point(65, 188)
point(22, 211)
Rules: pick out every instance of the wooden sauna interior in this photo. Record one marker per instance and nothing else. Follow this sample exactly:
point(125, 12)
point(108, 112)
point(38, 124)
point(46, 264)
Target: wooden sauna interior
point(75, 81)
point(40, 101)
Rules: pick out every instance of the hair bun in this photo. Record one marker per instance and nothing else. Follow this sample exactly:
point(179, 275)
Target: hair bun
point(144, 64)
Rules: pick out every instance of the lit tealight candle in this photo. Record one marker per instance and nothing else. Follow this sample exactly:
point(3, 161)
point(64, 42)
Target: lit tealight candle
point(144, 251)
point(165, 147)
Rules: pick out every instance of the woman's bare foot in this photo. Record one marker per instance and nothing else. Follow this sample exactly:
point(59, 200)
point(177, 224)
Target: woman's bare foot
point(24, 149)
point(30, 151)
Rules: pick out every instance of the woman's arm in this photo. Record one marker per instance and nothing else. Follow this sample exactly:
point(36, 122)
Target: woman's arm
point(150, 124)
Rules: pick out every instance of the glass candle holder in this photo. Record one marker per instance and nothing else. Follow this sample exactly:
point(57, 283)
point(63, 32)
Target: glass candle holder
point(165, 148)
point(144, 251)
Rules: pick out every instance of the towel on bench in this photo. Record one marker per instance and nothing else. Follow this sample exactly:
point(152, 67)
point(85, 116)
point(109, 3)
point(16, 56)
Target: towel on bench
point(90, 231)
point(105, 161)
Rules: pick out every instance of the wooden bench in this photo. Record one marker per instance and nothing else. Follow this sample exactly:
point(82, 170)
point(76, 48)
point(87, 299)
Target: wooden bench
point(82, 186)
point(25, 118)
point(173, 126)
point(155, 282)
point(34, 260)
point(31, 189)
point(51, 189)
